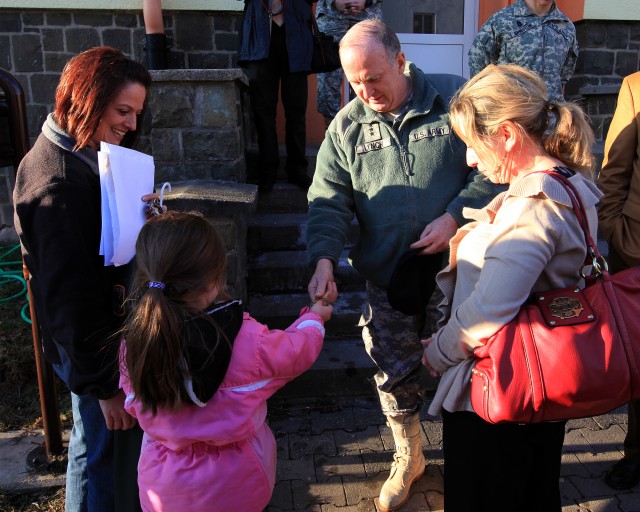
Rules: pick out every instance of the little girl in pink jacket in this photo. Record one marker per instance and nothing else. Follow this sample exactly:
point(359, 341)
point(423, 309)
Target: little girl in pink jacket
point(198, 373)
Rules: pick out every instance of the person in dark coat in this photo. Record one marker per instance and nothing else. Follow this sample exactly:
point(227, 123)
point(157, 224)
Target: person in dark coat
point(79, 301)
point(275, 48)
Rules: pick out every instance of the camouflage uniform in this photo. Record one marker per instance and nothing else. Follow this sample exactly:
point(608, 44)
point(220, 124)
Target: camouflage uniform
point(544, 44)
point(392, 340)
point(335, 23)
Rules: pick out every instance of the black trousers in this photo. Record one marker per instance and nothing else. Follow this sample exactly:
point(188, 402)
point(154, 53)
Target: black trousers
point(265, 78)
point(127, 445)
point(500, 468)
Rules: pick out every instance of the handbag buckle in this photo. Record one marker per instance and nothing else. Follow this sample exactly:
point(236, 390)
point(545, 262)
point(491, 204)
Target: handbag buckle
point(567, 306)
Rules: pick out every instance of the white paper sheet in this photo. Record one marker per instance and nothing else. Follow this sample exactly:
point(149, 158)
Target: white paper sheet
point(125, 176)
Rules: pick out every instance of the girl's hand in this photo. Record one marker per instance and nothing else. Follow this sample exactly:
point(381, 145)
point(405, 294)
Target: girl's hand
point(331, 293)
point(323, 306)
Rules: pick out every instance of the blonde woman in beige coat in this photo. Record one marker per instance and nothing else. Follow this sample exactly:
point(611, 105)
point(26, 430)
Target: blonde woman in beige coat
point(619, 216)
point(527, 239)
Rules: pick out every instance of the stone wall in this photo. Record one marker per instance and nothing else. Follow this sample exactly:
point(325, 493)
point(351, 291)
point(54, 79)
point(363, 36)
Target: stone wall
point(227, 206)
point(198, 124)
point(609, 51)
point(35, 45)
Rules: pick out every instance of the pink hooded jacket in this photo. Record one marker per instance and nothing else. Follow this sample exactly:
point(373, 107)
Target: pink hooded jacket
point(222, 457)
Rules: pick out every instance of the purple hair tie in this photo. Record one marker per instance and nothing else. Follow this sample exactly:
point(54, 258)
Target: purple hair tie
point(156, 284)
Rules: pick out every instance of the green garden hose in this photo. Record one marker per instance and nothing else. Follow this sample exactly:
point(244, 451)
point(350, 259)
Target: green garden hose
point(10, 272)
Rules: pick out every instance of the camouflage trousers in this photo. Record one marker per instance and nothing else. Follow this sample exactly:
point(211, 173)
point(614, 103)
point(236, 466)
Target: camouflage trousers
point(392, 340)
point(330, 84)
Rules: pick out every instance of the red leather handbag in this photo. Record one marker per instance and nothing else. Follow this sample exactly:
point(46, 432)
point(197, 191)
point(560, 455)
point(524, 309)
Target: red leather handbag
point(568, 353)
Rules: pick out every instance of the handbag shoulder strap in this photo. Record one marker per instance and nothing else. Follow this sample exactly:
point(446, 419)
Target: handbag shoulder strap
point(314, 26)
point(593, 257)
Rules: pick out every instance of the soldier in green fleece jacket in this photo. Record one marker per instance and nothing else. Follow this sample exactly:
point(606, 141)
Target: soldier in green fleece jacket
point(390, 158)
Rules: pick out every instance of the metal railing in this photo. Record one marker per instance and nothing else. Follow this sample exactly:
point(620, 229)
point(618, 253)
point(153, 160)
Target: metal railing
point(13, 112)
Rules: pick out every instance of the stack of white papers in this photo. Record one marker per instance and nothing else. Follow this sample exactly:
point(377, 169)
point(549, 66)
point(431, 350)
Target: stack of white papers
point(125, 176)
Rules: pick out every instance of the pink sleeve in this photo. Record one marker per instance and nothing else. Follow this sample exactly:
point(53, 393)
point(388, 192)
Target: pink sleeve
point(290, 352)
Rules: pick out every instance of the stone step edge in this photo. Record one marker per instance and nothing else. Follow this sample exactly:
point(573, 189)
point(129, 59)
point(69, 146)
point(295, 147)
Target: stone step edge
point(342, 368)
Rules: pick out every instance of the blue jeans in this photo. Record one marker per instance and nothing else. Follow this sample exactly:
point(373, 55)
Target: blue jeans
point(89, 486)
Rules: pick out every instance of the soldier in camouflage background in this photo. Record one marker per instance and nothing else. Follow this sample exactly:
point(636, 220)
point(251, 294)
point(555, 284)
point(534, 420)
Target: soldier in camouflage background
point(531, 33)
point(335, 18)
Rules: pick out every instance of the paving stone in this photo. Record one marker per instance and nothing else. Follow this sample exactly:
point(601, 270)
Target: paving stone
point(434, 455)
point(433, 431)
point(312, 493)
point(417, 503)
point(282, 497)
point(432, 479)
point(360, 491)
point(376, 463)
point(300, 445)
point(569, 493)
point(631, 501)
point(286, 417)
point(16, 473)
point(321, 421)
point(571, 466)
point(597, 463)
point(282, 444)
point(365, 440)
point(575, 442)
point(607, 504)
point(435, 501)
point(310, 508)
point(362, 506)
point(582, 423)
point(349, 480)
point(573, 508)
point(367, 413)
point(342, 465)
point(300, 469)
point(591, 487)
point(617, 417)
point(609, 439)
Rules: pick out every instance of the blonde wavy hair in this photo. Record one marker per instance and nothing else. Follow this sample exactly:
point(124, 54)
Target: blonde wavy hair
point(501, 93)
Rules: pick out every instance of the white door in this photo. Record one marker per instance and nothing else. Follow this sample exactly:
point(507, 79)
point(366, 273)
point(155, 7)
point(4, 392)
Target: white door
point(435, 34)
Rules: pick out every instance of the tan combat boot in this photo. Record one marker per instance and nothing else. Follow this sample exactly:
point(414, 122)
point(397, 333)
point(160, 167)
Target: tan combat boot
point(408, 462)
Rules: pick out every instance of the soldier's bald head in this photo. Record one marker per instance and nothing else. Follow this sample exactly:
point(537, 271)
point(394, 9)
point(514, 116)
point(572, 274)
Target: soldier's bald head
point(369, 34)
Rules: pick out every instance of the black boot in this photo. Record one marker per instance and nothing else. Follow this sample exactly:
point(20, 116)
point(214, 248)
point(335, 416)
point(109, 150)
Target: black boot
point(624, 474)
point(302, 180)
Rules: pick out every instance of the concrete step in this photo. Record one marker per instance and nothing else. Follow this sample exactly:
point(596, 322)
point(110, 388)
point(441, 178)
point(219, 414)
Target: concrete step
point(276, 232)
point(283, 231)
point(253, 159)
point(280, 311)
point(284, 198)
point(288, 271)
point(342, 369)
